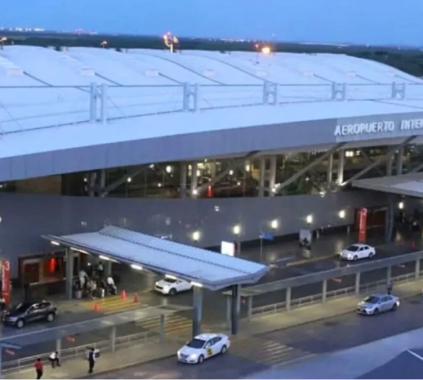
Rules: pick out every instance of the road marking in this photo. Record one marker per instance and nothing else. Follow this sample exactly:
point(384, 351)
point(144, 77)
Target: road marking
point(311, 260)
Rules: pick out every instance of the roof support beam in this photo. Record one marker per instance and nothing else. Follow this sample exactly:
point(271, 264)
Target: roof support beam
point(138, 170)
point(235, 165)
point(379, 161)
point(310, 166)
point(370, 161)
point(417, 168)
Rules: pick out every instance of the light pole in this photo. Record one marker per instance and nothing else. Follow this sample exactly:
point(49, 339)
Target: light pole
point(170, 41)
point(237, 231)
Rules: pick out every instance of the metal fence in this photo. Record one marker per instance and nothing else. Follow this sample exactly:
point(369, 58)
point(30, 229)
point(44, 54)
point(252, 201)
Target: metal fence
point(298, 303)
point(80, 351)
point(26, 108)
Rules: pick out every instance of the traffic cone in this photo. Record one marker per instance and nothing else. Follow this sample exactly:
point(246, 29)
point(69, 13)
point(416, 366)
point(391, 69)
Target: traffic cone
point(123, 294)
point(136, 299)
point(96, 306)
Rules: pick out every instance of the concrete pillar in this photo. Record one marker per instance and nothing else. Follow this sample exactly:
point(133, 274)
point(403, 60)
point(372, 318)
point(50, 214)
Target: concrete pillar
point(341, 163)
point(324, 290)
point(228, 311)
point(417, 269)
point(92, 179)
point(194, 180)
point(390, 215)
point(288, 299)
point(388, 273)
point(400, 159)
point(183, 180)
point(107, 268)
point(250, 308)
point(262, 176)
point(389, 165)
point(197, 310)
point(162, 328)
point(59, 345)
point(272, 175)
point(357, 283)
point(69, 273)
point(329, 172)
point(113, 339)
point(102, 182)
point(235, 309)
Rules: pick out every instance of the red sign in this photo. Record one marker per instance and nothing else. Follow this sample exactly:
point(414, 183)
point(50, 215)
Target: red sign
point(362, 225)
point(5, 278)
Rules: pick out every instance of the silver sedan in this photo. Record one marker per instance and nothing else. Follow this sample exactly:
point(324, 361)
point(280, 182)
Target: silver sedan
point(378, 303)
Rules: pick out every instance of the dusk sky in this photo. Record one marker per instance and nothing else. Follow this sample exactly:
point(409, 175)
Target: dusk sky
point(355, 21)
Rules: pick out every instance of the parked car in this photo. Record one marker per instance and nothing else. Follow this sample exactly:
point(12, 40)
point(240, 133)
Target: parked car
point(26, 312)
point(378, 303)
point(171, 286)
point(203, 347)
point(358, 251)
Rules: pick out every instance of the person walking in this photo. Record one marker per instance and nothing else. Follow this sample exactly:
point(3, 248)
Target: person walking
point(54, 359)
point(39, 368)
point(91, 360)
point(389, 287)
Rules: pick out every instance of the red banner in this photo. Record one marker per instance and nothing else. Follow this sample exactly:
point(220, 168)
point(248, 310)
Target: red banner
point(362, 225)
point(5, 278)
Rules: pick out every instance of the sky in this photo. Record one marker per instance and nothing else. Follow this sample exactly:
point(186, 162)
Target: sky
point(370, 22)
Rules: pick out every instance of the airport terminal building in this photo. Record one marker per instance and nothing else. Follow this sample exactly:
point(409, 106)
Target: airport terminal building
point(196, 147)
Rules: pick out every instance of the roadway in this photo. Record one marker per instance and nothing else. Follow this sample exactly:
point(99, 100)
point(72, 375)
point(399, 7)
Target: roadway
point(254, 354)
point(322, 257)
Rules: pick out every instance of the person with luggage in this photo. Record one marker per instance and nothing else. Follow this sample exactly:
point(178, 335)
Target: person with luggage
point(54, 359)
point(91, 360)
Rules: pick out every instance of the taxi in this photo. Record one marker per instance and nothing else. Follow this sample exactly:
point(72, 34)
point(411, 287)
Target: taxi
point(203, 347)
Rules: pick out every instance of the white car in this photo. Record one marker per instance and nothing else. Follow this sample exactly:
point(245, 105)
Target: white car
point(358, 251)
point(203, 347)
point(172, 285)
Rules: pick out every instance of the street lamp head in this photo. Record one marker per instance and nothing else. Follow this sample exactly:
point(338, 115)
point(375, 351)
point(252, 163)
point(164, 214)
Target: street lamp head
point(237, 229)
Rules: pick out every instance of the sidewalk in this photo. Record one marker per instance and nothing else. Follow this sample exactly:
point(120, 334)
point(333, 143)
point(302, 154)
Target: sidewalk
point(77, 368)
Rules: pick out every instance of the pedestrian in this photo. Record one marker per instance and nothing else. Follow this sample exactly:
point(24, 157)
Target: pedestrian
point(54, 359)
point(39, 368)
point(389, 287)
point(100, 269)
point(91, 360)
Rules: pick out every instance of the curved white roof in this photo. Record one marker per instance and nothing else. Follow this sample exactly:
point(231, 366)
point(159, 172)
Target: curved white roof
point(45, 104)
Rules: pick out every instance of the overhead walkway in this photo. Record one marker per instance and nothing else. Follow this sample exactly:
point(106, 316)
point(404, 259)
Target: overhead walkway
point(201, 267)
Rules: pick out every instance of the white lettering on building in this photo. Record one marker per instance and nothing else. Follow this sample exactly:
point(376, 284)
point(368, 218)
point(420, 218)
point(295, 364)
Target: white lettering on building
point(364, 128)
point(409, 125)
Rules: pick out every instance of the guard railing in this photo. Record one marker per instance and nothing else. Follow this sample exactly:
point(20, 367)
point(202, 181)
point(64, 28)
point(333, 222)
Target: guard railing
point(80, 351)
point(297, 303)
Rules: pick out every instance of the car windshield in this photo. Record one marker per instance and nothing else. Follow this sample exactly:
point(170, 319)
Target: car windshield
point(171, 280)
point(22, 307)
point(353, 248)
point(371, 299)
point(196, 343)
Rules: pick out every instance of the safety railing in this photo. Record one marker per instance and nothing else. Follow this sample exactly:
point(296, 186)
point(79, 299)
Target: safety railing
point(297, 303)
point(28, 108)
point(80, 351)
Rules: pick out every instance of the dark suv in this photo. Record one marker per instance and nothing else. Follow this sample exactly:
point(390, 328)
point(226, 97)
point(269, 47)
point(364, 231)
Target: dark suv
point(19, 315)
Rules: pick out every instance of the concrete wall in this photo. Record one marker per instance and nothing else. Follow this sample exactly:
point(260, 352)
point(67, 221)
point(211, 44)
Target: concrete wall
point(24, 217)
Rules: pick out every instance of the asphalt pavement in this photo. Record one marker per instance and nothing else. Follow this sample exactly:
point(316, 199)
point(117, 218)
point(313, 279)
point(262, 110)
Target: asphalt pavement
point(292, 344)
point(322, 257)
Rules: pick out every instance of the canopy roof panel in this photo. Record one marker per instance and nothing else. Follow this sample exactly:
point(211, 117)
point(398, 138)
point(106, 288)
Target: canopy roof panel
point(408, 184)
point(206, 268)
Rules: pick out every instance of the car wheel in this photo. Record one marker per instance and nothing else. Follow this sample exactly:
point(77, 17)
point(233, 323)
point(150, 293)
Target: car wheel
point(20, 323)
point(355, 258)
point(394, 307)
point(200, 359)
point(50, 317)
point(376, 312)
point(372, 254)
point(172, 292)
point(224, 350)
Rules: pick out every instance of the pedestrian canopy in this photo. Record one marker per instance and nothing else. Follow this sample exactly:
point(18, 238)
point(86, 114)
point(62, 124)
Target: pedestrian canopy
point(200, 266)
point(408, 184)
